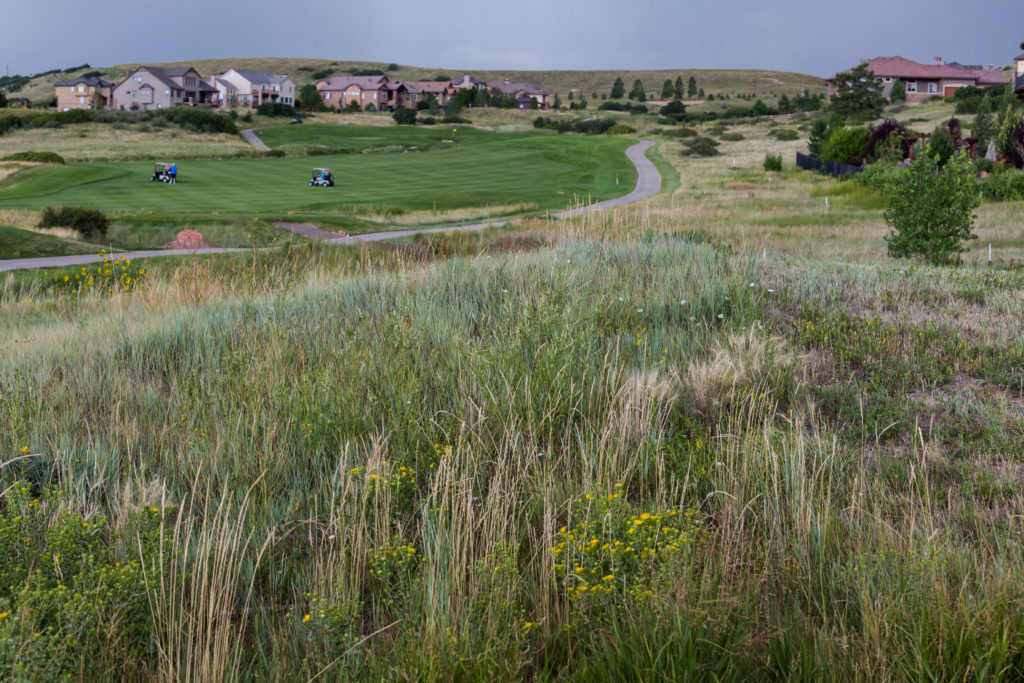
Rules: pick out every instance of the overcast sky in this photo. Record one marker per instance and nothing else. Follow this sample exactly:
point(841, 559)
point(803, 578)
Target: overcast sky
point(818, 37)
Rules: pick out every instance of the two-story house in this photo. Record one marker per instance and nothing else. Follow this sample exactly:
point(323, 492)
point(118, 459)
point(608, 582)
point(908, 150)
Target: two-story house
point(245, 88)
point(83, 93)
point(151, 87)
point(522, 93)
point(366, 91)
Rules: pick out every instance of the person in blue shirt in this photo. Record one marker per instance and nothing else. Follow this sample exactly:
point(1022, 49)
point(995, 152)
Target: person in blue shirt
point(173, 172)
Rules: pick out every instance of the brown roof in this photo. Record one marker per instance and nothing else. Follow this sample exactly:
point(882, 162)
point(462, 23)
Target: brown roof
point(363, 82)
point(427, 86)
point(900, 67)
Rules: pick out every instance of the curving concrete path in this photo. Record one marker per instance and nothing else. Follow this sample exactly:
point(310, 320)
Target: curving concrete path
point(648, 184)
point(250, 135)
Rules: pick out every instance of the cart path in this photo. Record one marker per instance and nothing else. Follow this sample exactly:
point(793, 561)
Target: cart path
point(250, 135)
point(648, 184)
point(309, 230)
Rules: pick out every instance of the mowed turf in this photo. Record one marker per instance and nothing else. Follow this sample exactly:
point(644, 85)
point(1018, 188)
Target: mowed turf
point(477, 169)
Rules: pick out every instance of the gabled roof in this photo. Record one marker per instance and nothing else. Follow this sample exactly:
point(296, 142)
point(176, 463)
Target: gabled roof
point(1019, 58)
point(258, 76)
point(427, 86)
point(92, 82)
point(343, 82)
point(206, 87)
point(900, 67)
point(510, 88)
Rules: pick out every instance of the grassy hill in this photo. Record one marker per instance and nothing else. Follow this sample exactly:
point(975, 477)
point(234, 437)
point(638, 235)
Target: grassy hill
point(718, 81)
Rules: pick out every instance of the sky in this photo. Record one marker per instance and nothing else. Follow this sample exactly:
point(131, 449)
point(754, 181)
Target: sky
point(818, 37)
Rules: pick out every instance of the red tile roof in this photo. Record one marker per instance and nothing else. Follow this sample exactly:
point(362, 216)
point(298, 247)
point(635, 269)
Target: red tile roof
point(900, 67)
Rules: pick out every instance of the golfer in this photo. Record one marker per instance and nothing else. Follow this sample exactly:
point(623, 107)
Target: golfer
point(173, 172)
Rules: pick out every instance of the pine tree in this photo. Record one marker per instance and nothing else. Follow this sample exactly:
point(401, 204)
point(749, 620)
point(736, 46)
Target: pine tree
point(898, 92)
point(678, 90)
point(666, 90)
point(637, 93)
point(691, 88)
point(785, 106)
point(618, 89)
point(984, 126)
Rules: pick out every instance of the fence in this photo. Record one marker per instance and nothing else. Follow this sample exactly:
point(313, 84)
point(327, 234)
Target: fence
point(832, 168)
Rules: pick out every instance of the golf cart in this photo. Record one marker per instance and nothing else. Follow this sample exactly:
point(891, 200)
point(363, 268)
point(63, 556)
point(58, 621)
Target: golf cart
point(162, 173)
point(322, 177)
point(297, 119)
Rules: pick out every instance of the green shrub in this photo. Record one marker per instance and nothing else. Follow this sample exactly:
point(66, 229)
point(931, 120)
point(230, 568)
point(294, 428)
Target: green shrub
point(201, 120)
point(621, 129)
point(846, 145)
point(275, 109)
point(773, 162)
point(404, 116)
point(1008, 185)
point(428, 120)
point(454, 118)
point(881, 178)
point(941, 144)
point(679, 133)
point(784, 134)
point(731, 137)
point(702, 146)
point(90, 223)
point(39, 157)
point(932, 212)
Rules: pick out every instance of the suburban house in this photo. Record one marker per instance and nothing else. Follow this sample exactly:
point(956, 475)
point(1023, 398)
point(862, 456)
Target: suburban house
point(83, 93)
point(523, 93)
point(242, 87)
point(339, 91)
point(417, 91)
point(925, 81)
point(151, 87)
point(467, 82)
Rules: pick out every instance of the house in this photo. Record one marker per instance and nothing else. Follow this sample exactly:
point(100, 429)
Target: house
point(925, 81)
point(418, 91)
point(242, 87)
point(151, 87)
point(466, 82)
point(522, 93)
point(83, 93)
point(366, 91)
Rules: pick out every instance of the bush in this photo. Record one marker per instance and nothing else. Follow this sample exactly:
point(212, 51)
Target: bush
point(404, 116)
point(679, 133)
point(784, 134)
point(702, 146)
point(773, 162)
point(39, 157)
point(932, 212)
point(90, 223)
point(454, 118)
point(275, 109)
point(428, 120)
point(941, 144)
point(881, 177)
point(887, 141)
point(731, 137)
point(846, 145)
point(674, 110)
point(621, 129)
point(202, 120)
point(1008, 185)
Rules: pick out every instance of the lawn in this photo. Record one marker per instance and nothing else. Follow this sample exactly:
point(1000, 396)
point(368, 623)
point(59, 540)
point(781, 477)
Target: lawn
point(17, 243)
point(475, 170)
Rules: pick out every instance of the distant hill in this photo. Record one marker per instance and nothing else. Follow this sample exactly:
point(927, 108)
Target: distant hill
point(718, 81)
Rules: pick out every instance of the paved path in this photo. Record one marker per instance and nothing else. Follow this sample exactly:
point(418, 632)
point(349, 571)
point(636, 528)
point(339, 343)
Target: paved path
point(648, 184)
point(249, 135)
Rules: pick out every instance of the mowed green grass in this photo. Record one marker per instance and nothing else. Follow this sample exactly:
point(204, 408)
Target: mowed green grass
point(18, 243)
point(478, 169)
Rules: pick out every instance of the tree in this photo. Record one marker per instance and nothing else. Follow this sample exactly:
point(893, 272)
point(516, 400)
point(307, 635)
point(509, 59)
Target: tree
point(984, 126)
point(932, 214)
point(3, 99)
point(898, 93)
point(691, 88)
point(1004, 140)
point(858, 93)
point(310, 99)
point(677, 91)
point(556, 104)
point(666, 90)
point(618, 89)
point(785, 106)
point(821, 131)
point(637, 93)
point(846, 145)
point(392, 67)
point(940, 145)
point(404, 116)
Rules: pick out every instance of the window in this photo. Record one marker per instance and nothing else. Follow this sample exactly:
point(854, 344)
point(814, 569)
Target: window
point(932, 87)
point(81, 88)
point(888, 79)
point(911, 86)
point(167, 93)
point(81, 99)
point(327, 96)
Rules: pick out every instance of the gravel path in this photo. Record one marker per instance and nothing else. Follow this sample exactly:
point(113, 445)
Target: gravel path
point(648, 184)
point(250, 135)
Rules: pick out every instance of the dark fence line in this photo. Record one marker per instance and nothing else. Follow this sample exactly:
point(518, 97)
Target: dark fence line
point(832, 168)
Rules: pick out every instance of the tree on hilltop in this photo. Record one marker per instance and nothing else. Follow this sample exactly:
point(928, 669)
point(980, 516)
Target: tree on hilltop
point(666, 90)
point(618, 89)
point(677, 93)
point(691, 88)
point(637, 93)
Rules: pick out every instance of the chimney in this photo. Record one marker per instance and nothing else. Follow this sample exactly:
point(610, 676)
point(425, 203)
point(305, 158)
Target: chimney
point(938, 61)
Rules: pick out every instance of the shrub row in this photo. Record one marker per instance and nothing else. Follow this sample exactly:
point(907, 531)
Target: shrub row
point(89, 223)
point(40, 157)
point(591, 126)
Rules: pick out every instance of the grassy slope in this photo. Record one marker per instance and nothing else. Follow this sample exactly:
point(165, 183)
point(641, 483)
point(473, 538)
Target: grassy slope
point(732, 81)
point(485, 168)
point(17, 243)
